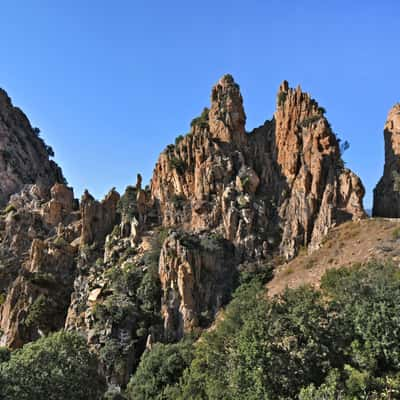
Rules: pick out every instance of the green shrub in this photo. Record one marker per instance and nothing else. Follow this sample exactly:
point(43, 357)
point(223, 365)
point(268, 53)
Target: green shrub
point(178, 139)
point(178, 200)
point(43, 279)
point(178, 164)
point(41, 313)
point(306, 122)
point(396, 233)
point(127, 205)
point(56, 367)
point(202, 120)
point(60, 242)
point(341, 343)
point(159, 370)
point(5, 354)
point(282, 98)
point(9, 208)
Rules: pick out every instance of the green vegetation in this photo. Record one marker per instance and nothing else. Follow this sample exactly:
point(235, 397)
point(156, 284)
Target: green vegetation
point(131, 305)
point(41, 313)
point(178, 164)
point(178, 139)
point(164, 364)
point(396, 233)
point(127, 203)
point(49, 151)
point(396, 181)
point(178, 200)
point(56, 367)
point(307, 122)
point(343, 145)
point(342, 342)
point(202, 120)
point(36, 131)
point(282, 98)
point(43, 279)
point(9, 208)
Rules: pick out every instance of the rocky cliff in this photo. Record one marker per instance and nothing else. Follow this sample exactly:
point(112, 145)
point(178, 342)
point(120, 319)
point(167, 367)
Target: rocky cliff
point(282, 185)
point(387, 191)
point(157, 262)
point(24, 157)
point(274, 190)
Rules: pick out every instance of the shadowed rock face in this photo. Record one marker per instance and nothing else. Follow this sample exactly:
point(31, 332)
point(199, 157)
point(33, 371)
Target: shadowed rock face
point(387, 191)
point(24, 157)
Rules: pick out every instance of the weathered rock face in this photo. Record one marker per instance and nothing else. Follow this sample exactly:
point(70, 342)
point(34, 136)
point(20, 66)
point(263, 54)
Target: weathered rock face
point(37, 262)
point(98, 218)
point(116, 296)
point(283, 184)
point(387, 191)
point(319, 192)
point(197, 275)
point(226, 116)
point(24, 157)
point(153, 264)
point(280, 187)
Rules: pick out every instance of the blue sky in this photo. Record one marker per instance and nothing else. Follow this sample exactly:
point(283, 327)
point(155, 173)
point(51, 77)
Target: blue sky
point(110, 84)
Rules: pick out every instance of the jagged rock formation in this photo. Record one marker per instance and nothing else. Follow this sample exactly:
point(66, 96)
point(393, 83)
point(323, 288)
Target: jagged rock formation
point(288, 172)
point(154, 263)
point(387, 191)
point(280, 187)
point(116, 297)
point(37, 262)
point(24, 157)
point(197, 275)
point(98, 219)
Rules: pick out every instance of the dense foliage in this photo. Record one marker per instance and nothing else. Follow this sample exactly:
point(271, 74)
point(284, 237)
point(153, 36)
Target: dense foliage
point(342, 342)
point(160, 370)
point(56, 367)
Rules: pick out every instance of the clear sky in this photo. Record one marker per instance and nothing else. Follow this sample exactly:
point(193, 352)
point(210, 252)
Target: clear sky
point(111, 83)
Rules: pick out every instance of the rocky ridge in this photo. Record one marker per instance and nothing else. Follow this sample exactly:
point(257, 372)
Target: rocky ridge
point(157, 262)
point(387, 191)
point(24, 157)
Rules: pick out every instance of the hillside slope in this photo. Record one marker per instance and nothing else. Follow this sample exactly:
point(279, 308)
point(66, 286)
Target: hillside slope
point(345, 245)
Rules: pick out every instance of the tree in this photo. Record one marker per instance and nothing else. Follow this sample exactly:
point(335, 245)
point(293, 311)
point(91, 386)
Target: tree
point(56, 367)
point(159, 370)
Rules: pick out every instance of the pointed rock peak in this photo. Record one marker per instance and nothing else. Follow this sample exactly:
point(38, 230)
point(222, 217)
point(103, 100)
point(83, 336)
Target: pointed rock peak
point(387, 191)
point(86, 196)
point(24, 156)
point(284, 86)
point(228, 80)
point(393, 119)
point(227, 117)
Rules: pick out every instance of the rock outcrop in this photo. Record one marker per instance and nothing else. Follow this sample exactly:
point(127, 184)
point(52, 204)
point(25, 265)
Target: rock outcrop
point(275, 189)
point(38, 262)
point(157, 262)
point(387, 191)
point(24, 157)
point(98, 218)
point(320, 192)
point(285, 177)
point(197, 275)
